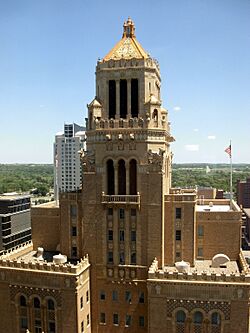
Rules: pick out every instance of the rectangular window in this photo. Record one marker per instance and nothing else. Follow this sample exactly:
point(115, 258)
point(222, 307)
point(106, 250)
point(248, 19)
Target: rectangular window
point(81, 302)
point(52, 327)
point(74, 232)
point(73, 210)
point(133, 212)
point(128, 297)
point(178, 235)
point(87, 296)
point(102, 295)
point(110, 211)
point(200, 252)
point(122, 236)
point(141, 297)
point(74, 251)
point(200, 230)
point(178, 213)
point(133, 236)
point(102, 318)
point(122, 258)
point(110, 235)
point(141, 321)
point(110, 258)
point(121, 213)
point(88, 320)
point(133, 258)
point(82, 326)
point(115, 319)
point(128, 320)
point(24, 323)
point(114, 295)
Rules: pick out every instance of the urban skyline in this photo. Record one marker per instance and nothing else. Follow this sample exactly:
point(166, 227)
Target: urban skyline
point(50, 52)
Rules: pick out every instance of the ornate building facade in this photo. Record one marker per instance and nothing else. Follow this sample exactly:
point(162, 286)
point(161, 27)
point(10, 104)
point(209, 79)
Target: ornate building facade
point(160, 259)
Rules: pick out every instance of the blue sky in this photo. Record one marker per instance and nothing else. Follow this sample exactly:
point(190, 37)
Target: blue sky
point(49, 50)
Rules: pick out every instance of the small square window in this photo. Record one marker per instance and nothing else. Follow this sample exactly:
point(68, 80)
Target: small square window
point(82, 326)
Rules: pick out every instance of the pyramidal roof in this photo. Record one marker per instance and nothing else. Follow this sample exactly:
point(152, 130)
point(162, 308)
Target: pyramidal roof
point(128, 47)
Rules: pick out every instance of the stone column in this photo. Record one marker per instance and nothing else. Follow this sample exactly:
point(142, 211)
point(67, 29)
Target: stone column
point(129, 97)
point(117, 91)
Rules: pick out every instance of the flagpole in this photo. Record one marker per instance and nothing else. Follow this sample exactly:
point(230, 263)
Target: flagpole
point(231, 178)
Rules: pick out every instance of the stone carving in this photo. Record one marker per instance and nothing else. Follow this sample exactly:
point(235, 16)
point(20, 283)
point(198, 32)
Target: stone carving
point(155, 158)
point(88, 161)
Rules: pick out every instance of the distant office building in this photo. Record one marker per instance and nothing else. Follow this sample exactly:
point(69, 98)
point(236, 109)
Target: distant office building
point(243, 193)
point(67, 159)
point(15, 224)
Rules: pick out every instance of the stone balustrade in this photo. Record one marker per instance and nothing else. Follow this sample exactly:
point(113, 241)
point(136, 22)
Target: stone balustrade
point(121, 199)
point(155, 274)
point(44, 266)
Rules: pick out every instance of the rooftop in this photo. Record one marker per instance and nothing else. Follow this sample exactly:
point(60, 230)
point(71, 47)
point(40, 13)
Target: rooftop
point(13, 196)
point(213, 208)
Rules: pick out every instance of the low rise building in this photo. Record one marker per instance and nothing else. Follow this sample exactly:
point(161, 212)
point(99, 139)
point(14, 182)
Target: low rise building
point(15, 222)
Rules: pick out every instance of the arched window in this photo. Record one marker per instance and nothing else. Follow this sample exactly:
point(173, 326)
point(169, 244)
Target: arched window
point(132, 177)
point(215, 318)
point(110, 177)
point(180, 316)
point(36, 303)
point(155, 115)
point(112, 99)
point(134, 98)
point(198, 317)
point(121, 177)
point(51, 304)
point(23, 301)
point(123, 98)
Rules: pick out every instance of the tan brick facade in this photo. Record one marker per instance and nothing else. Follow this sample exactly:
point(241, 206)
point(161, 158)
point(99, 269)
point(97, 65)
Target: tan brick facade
point(134, 227)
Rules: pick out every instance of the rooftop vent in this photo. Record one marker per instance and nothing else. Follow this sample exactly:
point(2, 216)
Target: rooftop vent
point(39, 254)
point(59, 259)
point(182, 266)
point(219, 259)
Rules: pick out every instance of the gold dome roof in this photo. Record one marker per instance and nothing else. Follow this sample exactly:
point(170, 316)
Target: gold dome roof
point(128, 47)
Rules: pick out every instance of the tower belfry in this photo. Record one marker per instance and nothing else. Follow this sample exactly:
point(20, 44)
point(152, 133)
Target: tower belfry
point(127, 171)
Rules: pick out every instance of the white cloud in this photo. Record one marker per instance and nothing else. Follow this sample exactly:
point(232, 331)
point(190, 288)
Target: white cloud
point(41, 106)
point(192, 147)
point(211, 137)
point(177, 108)
point(196, 130)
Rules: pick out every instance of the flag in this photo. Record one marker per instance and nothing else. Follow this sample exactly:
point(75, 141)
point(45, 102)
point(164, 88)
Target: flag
point(228, 150)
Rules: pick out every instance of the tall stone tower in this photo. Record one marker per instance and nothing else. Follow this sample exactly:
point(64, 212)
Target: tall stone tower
point(127, 171)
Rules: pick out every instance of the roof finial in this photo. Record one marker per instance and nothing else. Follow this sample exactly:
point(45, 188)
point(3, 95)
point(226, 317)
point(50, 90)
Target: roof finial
point(129, 29)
